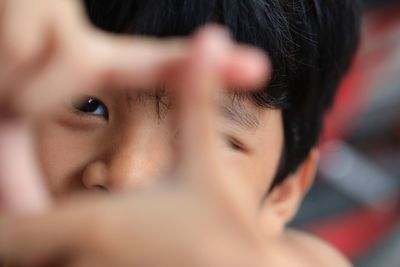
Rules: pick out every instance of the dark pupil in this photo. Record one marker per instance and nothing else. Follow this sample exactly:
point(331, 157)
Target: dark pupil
point(88, 105)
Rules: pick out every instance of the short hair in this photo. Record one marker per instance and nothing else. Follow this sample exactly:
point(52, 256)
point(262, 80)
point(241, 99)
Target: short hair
point(310, 43)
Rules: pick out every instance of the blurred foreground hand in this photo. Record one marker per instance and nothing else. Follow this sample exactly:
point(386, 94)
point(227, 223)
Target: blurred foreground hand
point(47, 51)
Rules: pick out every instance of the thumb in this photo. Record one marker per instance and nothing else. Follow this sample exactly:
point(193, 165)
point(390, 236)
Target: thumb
point(21, 187)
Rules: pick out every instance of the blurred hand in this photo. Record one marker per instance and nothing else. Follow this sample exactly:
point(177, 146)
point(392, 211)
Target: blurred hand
point(48, 50)
point(199, 218)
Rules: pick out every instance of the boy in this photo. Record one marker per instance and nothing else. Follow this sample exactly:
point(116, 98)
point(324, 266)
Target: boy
point(119, 141)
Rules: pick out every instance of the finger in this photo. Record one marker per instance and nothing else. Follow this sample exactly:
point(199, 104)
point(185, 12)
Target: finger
point(28, 29)
point(200, 154)
point(216, 63)
point(49, 33)
point(19, 240)
point(131, 62)
point(21, 189)
point(19, 52)
point(247, 68)
point(60, 232)
point(19, 45)
point(198, 90)
point(47, 89)
point(135, 62)
point(145, 62)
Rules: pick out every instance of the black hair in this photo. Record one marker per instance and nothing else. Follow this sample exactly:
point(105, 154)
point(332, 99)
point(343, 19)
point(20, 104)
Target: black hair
point(310, 43)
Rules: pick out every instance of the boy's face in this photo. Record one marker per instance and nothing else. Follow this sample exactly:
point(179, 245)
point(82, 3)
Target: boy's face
point(115, 141)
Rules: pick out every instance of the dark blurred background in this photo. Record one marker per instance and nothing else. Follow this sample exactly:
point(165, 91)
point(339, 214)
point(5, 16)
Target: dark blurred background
point(355, 204)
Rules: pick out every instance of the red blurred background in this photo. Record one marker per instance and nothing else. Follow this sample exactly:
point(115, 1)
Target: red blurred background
point(355, 204)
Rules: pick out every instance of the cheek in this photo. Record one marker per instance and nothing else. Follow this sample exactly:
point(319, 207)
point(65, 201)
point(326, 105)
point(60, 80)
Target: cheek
point(257, 171)
point(266, 168)
point(62, 154)
point(258, 168)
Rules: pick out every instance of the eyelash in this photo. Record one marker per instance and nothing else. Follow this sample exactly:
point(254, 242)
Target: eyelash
point(79, 107)
point(234, 143)
point(230, 141)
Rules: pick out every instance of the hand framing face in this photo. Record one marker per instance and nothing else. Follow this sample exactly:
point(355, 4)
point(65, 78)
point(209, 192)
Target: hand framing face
point(199, 219)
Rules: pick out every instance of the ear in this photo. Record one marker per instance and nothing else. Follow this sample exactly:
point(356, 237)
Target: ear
point(282, 204)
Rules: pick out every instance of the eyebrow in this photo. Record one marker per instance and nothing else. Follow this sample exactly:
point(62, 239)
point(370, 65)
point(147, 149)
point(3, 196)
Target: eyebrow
point(236, 112)
point(233, 109)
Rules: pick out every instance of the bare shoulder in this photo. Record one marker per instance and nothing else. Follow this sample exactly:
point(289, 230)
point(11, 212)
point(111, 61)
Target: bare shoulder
point(312, 251)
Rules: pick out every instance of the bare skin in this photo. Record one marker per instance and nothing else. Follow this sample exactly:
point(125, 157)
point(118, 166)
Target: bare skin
point(199, 214)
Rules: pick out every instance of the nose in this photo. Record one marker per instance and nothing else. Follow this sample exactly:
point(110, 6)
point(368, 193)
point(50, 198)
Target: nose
point(95, 176)
point(132, 162)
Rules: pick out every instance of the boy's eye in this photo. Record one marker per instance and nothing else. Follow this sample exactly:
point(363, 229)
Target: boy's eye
point(234, 144)
point(91, 106)
point(226, 140)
